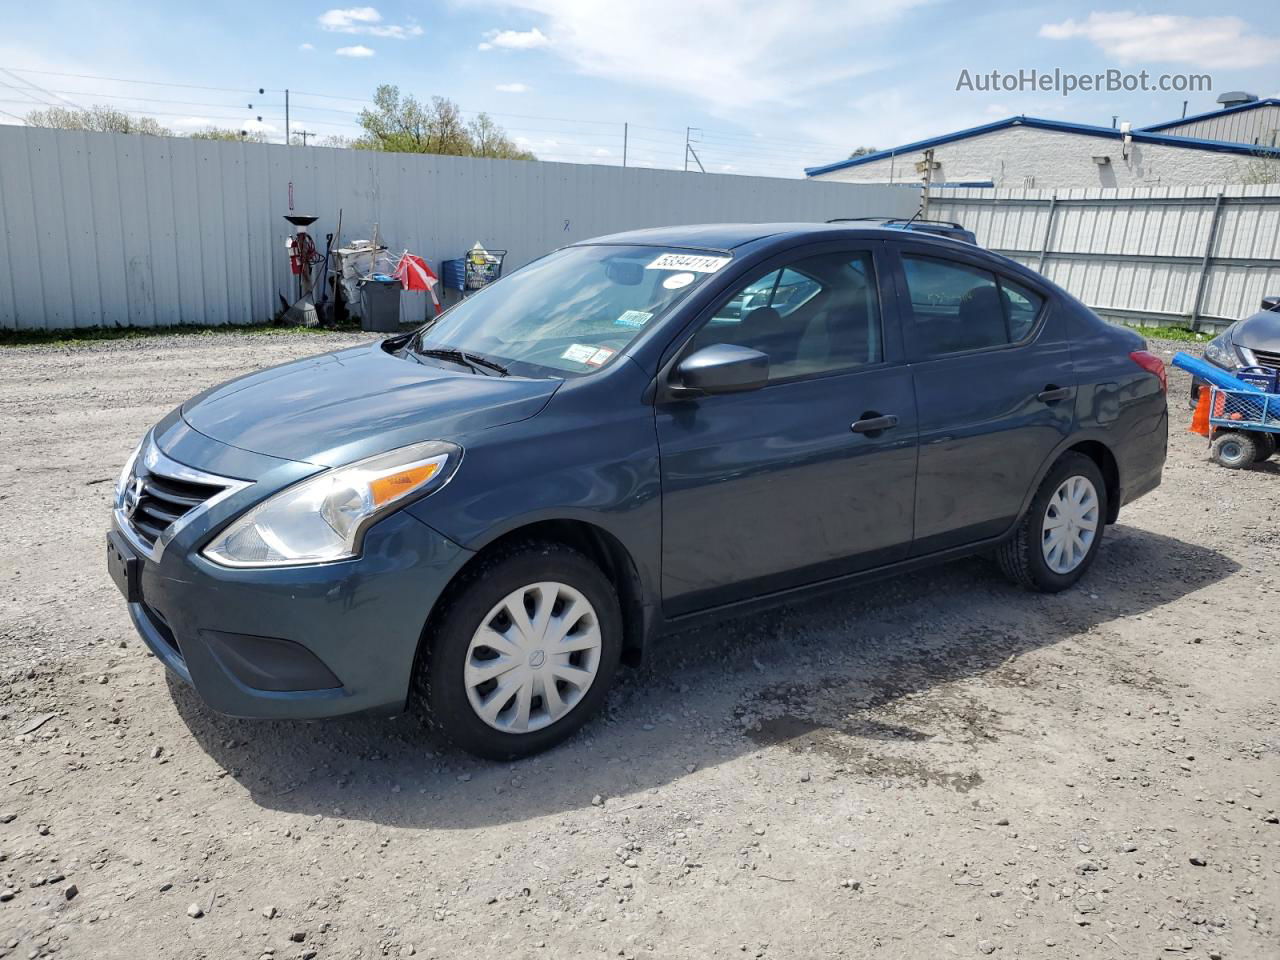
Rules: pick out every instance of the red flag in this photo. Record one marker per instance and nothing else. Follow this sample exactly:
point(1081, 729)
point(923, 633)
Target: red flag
point(414, 274)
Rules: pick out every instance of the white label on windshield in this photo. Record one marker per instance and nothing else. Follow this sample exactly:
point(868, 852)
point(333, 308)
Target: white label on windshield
point(599, 357)
point(678, 280)
point(688, 261)
point(580, 353)
point(633, 318)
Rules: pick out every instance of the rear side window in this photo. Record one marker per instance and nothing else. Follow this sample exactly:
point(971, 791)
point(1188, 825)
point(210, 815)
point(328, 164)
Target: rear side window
point(957, 307)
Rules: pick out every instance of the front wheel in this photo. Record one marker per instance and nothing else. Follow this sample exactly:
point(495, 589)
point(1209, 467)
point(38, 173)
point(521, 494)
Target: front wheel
point(523, 652)
point(1234, 449)
point(1058, 538)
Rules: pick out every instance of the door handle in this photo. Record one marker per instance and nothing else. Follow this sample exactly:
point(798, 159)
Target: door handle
point(1052, 394)
point(874, 424)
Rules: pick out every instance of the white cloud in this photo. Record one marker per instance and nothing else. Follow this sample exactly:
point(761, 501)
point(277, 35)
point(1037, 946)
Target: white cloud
point(306, 46)
point(730, 54)
point(514, 39)
point(350, 17)
point(359, 50)
point(367, 21)
point(512, 88)
point(1200, 41)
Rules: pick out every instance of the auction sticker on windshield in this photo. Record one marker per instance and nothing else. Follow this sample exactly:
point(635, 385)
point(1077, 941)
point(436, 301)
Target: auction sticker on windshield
point(688, 261)
point(678, 280)
point(633, 318)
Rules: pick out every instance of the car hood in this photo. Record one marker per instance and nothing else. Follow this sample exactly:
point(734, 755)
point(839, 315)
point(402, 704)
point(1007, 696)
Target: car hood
point(1258, 332)
point(339, 407)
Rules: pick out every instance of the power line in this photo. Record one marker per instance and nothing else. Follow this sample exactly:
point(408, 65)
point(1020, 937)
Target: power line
point(153, 83)
point(26, 93)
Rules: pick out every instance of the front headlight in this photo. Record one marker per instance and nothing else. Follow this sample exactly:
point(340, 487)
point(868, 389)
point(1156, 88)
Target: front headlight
point(324, 518)
point(123, 480)
point(1222, 352)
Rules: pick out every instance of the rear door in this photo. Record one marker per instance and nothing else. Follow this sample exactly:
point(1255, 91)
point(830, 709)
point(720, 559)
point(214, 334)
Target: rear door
point(777, 487)
point(995, 389)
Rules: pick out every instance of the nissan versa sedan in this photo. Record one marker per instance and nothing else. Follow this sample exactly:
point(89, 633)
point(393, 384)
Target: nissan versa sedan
point(485, 517)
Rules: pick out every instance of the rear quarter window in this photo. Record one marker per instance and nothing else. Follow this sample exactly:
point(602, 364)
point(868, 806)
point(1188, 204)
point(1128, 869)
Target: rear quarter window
point(1023, 305)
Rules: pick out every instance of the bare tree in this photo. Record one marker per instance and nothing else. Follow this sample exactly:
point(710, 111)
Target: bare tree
point(221, 133)
point(96, 118)
point(1261, 167)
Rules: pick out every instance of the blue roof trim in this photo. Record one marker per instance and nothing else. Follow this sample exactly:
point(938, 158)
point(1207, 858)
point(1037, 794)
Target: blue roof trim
point(1060, 126)
point(1239, 108)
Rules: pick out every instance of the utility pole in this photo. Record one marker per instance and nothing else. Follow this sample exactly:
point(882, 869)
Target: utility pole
point(926, 167)
point(624, 144)
point(287, 138)
point(306, 133)
point(688, 149)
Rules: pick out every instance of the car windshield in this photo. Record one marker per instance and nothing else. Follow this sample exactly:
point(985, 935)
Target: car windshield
point(569, 313)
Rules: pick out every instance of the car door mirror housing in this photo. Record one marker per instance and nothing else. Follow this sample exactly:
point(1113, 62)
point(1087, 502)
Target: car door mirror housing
point(721, 368)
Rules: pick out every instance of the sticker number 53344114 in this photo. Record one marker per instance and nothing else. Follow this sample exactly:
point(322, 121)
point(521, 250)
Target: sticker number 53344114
point(698, 263)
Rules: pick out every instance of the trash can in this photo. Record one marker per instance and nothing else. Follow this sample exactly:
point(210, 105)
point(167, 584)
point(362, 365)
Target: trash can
point(380, 304)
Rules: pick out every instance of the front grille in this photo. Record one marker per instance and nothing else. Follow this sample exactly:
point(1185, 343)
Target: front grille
point(1267, 358)
point(154, 501)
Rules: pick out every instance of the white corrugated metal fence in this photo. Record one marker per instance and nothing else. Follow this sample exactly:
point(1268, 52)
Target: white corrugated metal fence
point(1202, 256)
point(118, 230)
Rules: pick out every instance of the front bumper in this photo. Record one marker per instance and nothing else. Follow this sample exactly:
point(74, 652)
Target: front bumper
point(299, 642)
point(292, 642)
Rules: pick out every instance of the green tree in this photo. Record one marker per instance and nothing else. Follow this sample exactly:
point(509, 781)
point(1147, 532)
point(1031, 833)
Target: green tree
point(400, 124)
point(96, 118)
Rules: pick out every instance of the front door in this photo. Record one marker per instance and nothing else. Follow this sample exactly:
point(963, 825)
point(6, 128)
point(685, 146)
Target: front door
point(797, 481)
point(996, 391)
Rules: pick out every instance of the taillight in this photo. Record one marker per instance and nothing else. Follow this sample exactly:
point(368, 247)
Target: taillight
point(1152, 364)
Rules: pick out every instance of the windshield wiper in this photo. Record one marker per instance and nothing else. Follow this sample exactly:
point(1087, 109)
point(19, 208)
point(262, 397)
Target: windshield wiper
point(472, 361)
point(448, 353)
point(486, 362)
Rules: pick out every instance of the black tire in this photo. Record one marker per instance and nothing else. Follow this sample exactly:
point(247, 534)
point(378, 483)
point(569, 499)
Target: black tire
point(1266, 444)
point(1021, 557)
point(438, 677)
point(1233, 449)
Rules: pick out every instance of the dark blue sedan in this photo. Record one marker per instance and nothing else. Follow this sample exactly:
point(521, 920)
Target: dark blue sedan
point(485, 517)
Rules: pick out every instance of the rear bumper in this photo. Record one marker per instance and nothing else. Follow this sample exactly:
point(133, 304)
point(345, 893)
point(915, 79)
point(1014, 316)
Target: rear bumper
point(299, 642)
point(1141, 460)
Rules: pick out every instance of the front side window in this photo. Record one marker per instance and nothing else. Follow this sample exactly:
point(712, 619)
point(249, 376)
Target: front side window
point(957, 307)
point(571, 312)
point(814, 316)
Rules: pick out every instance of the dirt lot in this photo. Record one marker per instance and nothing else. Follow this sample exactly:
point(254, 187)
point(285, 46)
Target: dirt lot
point(938, 765)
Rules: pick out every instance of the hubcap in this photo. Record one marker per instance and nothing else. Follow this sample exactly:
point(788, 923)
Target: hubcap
point(533, 657)
point(1070, 524)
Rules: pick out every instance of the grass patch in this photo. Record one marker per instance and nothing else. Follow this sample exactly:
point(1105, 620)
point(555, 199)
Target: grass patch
point(73, 338)
point(1182, 334)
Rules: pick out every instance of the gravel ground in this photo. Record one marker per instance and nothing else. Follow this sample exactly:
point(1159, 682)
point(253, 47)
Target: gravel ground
point(932, 766)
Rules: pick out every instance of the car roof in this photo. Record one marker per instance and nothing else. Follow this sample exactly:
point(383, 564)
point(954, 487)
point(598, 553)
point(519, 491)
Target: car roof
point(729, 236)
point(732, 237)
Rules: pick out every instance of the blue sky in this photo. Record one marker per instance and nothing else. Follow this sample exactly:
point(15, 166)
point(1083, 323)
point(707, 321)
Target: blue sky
point(769, 87)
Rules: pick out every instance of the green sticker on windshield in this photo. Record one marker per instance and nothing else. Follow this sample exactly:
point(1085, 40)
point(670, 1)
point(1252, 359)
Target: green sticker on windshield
point(633, 318)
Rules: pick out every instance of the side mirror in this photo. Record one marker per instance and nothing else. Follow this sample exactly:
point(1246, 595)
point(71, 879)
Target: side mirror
point(1271, 302)
point(722, 368)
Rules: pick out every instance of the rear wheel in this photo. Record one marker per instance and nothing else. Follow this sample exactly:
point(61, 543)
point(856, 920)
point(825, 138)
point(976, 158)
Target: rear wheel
point(1266, 444)
point(523, 652)
point(1058, 538)
point(1233, 449)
